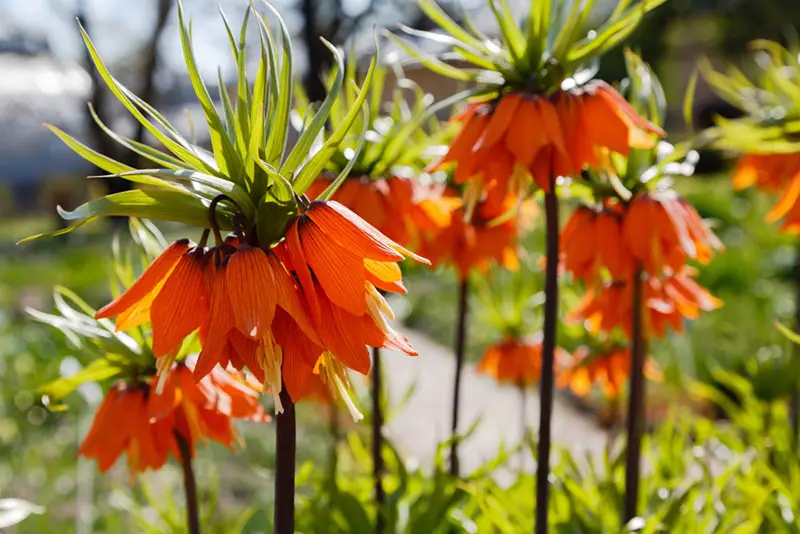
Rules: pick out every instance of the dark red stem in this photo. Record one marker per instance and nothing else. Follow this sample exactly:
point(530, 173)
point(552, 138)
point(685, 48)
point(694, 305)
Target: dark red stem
point(548, 358)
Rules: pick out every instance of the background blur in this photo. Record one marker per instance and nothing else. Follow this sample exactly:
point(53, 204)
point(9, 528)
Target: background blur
point(44, 77)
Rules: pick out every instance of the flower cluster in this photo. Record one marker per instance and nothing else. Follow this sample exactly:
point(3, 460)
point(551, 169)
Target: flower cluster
point(147, 425)
point(516, 361)
point(774, 173)
point(526, 135)
point(608, 369)
point(278, 310)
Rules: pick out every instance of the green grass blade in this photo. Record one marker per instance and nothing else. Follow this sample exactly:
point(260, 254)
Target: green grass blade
point(309, 135)
point(228, 159)
point(156, 204)
point(276, 144)
point(311, 170)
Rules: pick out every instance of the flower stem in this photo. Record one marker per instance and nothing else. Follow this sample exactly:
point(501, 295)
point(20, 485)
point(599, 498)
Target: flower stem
point(548, 358)
point(333, 463)
point(285, 449)
point(636, 404)
point(461, 338)
point(189, 485)
point(377, 439)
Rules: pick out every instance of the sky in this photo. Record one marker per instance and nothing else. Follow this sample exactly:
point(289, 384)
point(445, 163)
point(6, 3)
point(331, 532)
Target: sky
point(119, 26)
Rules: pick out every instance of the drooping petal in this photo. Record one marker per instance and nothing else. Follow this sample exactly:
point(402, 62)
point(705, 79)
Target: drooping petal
point(353, 233)
point(251, 286)
point(340, 272)
point(149, 280)
point(181, 306)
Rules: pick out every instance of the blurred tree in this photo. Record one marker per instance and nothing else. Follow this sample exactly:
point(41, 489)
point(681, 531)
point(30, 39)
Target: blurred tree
point(99, 92)
point(339, 21)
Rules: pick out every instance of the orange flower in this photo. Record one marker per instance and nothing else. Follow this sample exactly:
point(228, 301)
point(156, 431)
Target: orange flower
point(667, 301)
point(399, 208)
point(170, 293)
point(775, 173)
point(609, 371)
point(122, 425)
point(475, 243)
point(251, 310)
point(663, 231)
point(516, 361)
point(593, 240)
point(143, 424)
point(517, 135)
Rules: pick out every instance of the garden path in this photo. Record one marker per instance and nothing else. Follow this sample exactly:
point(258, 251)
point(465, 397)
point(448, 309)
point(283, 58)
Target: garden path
point(425, 419)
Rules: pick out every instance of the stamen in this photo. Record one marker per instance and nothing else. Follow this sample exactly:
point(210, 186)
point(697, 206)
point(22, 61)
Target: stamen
point(335, 377)
point(378, 299)
point(472, 194)
point(163, 366)
point(270, 358)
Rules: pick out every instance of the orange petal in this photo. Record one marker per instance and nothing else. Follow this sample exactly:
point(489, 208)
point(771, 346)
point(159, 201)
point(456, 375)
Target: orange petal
point(340, 272)
point(501, 118)
point(251, 286)
point(149, 279)
point(353, 233)
point(526, 136)
point(181, 306)
point(220, 322)
point(300, 266)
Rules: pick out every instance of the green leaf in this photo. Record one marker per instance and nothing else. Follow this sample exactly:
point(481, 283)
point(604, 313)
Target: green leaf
point(152, 204)
point(331, 189)
point(300, 150)
point(175, 144)
point(227, 157)
point(436, 14)
point(243, 101)
point(56, 233)
point(688, 101)
point(617, 29)
point(788, 333)
point(311, 170)
point(275, 211)
point(219, 185)
point(96, 371)
point(431, 62)
point(142, 149)
point(280, 118)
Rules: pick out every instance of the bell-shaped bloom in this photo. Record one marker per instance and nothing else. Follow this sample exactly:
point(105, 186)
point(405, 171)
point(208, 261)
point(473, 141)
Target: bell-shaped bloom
point(170, 293)
point(122, 425)
point(399, 208)
point(277, 310)
point(138, 421)
point(609, 371)
point(668, 301)
point(520, 135)
point(343, 253)
point(592, 241)
point(776, 173)
point(516, 361)
point(476, 242)
point(663, 231)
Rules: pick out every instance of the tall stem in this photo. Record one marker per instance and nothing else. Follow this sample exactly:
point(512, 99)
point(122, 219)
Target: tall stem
point(333, 463)
point(189, 485)
point(461, 338)
point(636, 402)
point(377, 439)
point(548, 358)
point(285, 452)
